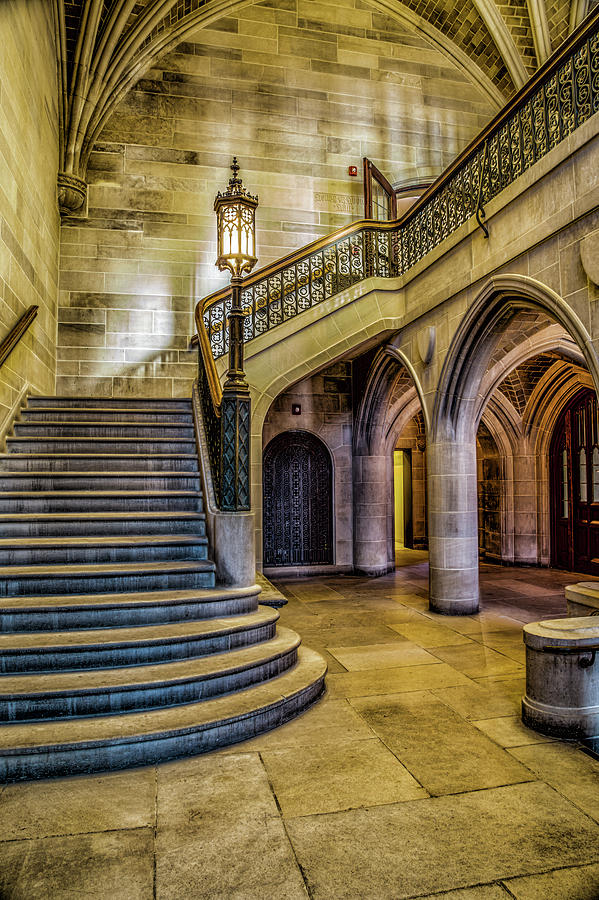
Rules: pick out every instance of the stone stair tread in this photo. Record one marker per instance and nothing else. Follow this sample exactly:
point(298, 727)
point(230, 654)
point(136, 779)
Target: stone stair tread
point(120, 423)
point(133, 598)
point(105, 514)
point(97, 569)
point(103, 409)
point(11, 456)
point(123, 728)
point(23, 495)
point(36, 439)
point(121, 678)
point(101, 473)
point(135, 634)
point(113, 540)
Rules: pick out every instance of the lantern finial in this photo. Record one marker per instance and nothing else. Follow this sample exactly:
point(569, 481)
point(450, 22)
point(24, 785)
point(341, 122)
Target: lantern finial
point(235, 212)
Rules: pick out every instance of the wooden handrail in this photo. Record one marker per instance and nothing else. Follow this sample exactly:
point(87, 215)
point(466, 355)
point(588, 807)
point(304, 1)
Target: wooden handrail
point(577, 37)
point(216, 391)
point(16, 333)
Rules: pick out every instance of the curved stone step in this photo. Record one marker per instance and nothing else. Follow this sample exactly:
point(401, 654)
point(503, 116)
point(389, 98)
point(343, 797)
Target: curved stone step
point(77, 611)
point(97, 462)
point(102, 523)
point(99, 481)
point(114, 429)
point(35, 401)
point(70, 746)
point(106, 413)
point(15, 581)
point(133, 688)
point(139, 645)
point(103, 444)
point(98, 501)
point(79, 550)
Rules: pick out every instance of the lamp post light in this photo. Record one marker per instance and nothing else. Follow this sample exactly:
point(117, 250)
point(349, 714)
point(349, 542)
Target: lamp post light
point(236, 226)
point(235, 216)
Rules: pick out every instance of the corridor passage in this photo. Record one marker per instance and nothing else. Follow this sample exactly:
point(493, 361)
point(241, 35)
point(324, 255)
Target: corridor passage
point(412, 777)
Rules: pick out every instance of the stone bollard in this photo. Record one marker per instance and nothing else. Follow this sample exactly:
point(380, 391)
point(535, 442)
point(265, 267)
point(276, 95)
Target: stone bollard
point(583, 598)
point(562, 677)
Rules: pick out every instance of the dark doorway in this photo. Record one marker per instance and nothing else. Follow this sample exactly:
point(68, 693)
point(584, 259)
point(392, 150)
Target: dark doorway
point(298, 507)
point(574, 464)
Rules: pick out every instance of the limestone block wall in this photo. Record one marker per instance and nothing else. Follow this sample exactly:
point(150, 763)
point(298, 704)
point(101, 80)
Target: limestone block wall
point(298, 90)
point(326, 411)
point(29, 221)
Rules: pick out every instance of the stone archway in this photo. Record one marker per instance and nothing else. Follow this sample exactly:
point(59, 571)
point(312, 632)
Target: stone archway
point(453, 526)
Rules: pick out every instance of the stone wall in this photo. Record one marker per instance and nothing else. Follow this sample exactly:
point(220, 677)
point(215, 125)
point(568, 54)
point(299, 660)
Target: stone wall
point(298, 90)
point(326, 411)
point(29, 222)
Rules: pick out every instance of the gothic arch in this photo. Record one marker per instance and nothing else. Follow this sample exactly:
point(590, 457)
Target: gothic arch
point(374, 432)
point(458, 391)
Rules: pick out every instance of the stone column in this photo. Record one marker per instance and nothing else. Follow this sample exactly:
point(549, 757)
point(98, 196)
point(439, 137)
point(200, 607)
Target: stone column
point(453, 527)
point(370, 514)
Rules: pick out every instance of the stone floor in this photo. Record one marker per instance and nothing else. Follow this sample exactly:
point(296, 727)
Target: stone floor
point(413, 777)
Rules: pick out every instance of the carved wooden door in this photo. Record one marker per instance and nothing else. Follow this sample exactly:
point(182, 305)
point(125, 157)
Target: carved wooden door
point(298, 519)
point(575, 486)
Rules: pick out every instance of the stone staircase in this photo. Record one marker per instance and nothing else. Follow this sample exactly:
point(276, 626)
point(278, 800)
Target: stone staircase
point(116, 647)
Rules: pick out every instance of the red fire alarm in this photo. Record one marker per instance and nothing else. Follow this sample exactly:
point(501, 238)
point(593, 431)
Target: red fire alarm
point(353, 170)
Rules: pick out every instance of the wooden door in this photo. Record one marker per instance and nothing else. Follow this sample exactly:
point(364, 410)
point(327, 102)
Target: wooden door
point(380, 202)
point(575, 486)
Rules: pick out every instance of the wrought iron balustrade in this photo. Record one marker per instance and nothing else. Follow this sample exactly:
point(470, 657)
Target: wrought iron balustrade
point(562, 95)
point(558, 99)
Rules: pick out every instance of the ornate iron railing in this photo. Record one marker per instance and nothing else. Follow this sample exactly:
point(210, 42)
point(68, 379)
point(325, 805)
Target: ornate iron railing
point(562, 95)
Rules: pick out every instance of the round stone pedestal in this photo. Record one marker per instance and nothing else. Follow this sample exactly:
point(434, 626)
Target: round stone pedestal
point(562, 677)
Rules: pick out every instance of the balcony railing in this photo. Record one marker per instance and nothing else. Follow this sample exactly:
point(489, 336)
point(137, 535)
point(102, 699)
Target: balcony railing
point(562, 95)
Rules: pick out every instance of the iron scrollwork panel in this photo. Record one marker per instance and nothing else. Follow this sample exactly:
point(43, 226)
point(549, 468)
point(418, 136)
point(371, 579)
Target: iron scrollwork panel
point(297, 501)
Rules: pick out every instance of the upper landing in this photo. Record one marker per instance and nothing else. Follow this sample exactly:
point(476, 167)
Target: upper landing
point(515, 214)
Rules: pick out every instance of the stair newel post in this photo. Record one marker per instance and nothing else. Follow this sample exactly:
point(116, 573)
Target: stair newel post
point(235, 212)
point(235, 415)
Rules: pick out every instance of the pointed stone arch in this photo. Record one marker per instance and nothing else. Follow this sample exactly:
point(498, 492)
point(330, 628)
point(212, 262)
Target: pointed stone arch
point(503, 296)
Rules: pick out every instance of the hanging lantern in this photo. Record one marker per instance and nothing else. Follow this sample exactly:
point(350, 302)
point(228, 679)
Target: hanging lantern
point(236, 226)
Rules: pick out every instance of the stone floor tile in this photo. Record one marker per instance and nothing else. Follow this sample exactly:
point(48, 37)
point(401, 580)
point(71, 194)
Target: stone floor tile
point(512, 647)
point(476, 659)
point(442, 751)
point(581, 883)
point(509, 731)
point(311, 780)
point(568, 769)
point(114, 864)
point(430, 634)
point(219, 833)
point(480, 892)
point(343, 635)
point(498, 696)
point(475, 624)
point(326, 722)
point(38, 809)
point(382, 656)
point(392, 681)
point(426, 846)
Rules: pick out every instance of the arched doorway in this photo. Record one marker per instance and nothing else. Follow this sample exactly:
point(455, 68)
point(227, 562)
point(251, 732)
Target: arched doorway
point(575, 486)
point(298, 502)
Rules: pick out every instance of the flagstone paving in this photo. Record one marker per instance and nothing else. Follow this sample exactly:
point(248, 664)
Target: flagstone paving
point(412, 778)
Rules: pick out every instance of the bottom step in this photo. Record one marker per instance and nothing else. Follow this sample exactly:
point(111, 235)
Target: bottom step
point(68, 747)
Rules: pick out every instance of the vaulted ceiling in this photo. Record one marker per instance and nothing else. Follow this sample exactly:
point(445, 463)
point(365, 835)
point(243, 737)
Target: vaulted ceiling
point(106, 45)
